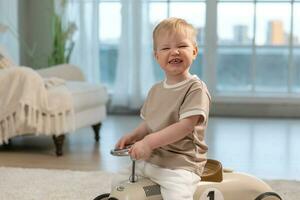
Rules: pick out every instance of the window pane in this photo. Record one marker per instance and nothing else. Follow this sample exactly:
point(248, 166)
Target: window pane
point(197, 65)
point(232, 28)
point(271, 69)
point(157, 12)
point(274, 0)
point(186, 1)
point(234, 69)
point(194, 13)
point(296, 24)
point(296, 40)
point(273, 23)
point(256, 0)
point(296, 63)
point(111, 11)
point(109, 38)
point(236, 0)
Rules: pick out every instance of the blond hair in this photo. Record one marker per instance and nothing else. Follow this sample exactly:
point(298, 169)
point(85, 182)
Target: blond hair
point(171, 25)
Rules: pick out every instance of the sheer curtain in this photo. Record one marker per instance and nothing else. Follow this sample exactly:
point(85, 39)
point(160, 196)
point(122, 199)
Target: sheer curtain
point(9, 28)
point(86, 51)
point(134, 75)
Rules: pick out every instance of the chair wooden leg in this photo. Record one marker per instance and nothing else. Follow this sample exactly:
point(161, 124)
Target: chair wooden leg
point(96, 129)
point(58, 142)
point(8, 144)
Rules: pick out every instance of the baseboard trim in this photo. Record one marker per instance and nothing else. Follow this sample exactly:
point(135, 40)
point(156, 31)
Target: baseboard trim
point(282, 110)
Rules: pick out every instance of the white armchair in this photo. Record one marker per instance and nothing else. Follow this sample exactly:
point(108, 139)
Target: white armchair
point(89, 99)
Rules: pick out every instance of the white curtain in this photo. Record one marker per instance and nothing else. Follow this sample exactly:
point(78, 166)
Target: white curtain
point(134, 74)
point(134, 66)
point(86, 51)
point(8, 33)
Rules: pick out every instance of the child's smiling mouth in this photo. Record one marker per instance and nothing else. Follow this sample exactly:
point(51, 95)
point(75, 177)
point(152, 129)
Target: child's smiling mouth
point(175, 61)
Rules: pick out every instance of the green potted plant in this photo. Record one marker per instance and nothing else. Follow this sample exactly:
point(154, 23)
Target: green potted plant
point(62, 37)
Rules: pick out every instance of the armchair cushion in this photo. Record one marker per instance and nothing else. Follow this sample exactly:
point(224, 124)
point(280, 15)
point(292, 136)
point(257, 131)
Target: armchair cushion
point(67, 72)
point(89, 99)
point(87, 95)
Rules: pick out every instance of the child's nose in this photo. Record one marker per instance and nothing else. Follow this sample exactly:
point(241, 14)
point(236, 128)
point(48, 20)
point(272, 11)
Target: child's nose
point(175, 51)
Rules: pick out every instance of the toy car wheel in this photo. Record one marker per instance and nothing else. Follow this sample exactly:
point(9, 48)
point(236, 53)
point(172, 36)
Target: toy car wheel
point(268, 196)
point(102, 197)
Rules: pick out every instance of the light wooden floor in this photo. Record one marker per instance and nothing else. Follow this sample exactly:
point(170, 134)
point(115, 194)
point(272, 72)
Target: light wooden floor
point(267, 148)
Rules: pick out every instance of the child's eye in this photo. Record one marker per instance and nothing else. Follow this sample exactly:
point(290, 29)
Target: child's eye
point(165, 48)
point(183, 46)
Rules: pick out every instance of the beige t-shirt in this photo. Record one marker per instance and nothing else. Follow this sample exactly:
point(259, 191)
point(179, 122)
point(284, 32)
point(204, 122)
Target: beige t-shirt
point(168, 104)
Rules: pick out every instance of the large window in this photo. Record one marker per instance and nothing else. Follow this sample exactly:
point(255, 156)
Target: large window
point(235, 35)
point(257, 48)
point(258, 51)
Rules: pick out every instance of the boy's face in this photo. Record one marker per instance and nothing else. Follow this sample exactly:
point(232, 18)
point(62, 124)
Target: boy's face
point(175, 53)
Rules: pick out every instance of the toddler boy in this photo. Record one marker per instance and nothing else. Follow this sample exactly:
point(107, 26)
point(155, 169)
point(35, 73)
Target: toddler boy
point(169, 144)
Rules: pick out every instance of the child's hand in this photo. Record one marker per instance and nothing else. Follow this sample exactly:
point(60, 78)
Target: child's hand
point(124, 141)
point(140, 150)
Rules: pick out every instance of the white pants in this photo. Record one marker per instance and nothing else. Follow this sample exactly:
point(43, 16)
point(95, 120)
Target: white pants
point(177, 184)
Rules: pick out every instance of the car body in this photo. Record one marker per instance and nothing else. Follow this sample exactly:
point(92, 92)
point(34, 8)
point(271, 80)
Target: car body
point(216, 184)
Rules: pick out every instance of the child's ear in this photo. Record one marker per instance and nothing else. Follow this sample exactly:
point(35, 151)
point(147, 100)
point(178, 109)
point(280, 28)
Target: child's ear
point(155, 54)
point(195, 52)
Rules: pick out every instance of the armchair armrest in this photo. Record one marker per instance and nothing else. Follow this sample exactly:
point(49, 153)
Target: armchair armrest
point(64, 71)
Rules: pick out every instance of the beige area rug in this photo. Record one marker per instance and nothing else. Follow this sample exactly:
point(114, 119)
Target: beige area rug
point(43, 184)
point(288, 190)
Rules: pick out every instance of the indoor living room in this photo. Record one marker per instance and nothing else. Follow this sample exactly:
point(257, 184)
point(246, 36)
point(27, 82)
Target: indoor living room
point(93, 61)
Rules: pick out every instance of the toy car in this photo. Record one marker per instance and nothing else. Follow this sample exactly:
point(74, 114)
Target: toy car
point(216, 184)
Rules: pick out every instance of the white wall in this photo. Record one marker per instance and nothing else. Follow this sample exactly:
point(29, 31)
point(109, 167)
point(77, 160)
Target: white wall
point(35, 29)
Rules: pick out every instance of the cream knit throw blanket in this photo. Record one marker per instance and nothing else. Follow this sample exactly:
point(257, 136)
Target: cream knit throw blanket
point(29, 104)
